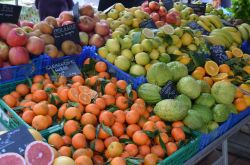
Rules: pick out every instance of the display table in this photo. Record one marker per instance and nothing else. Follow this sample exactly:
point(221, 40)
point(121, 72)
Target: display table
point(223, 139)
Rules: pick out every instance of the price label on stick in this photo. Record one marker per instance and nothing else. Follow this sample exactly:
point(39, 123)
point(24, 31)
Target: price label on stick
point(148, 24)
point(168, 4)
point(66, 32)
point(199, 9)
point(76, 13)
point(67, 68)
point(9, 13)
point(15, 140)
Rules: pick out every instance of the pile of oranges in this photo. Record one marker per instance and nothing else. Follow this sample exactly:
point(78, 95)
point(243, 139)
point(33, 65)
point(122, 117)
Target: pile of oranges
point(103, 119)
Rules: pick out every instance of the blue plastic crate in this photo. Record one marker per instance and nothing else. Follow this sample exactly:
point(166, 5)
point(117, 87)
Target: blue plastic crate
point(119, 74)
point(206, 139)
point(21, 72)
point(238, 117)
point(246, 47)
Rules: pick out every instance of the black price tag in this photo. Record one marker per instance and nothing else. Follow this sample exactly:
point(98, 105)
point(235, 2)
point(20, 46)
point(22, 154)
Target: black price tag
point(66, 32)
point(148, 24)
point(199, 9)
point(9, 13)
point(76, 13)
point(193, 25)
point(15, 140)
point(66, 67)
point(168, 4)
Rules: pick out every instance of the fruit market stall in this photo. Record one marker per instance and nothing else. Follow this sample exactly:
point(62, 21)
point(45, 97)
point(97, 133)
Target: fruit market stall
point(160, 83)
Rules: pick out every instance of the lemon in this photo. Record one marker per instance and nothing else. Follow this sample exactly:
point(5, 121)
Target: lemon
point(137, 48)
point(127, 53)
point(148, 33)
point(103, 51)
point(168, 29)
point(154, 54)
point(186, 39)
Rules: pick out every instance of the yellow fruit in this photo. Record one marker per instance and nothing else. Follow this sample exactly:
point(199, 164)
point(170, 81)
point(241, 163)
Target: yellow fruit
point(245, 87)
point(186, 39)
point(63, 160)
point(247, 69)
point(148, 66)
point(211, 68)
point(219, 77)
point(184, 60)
point(237, 52)
point(229, 54)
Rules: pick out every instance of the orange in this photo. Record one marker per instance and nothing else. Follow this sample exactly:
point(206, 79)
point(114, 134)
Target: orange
point(76, 85)
point(82, 151)
point(88, 118)
point(164, 138)
point(100, 66)
point(142, 121)
point(78, 78)
point(158, 150)
point(61, 111)
point(109, 100)
point(10, 100)
point(237, 52)
point(28, 97)
point(83, 160)
point(198, 74)
point(150, 159)
point(70, 127)
point(40, 122)
point(177, 124)
point(132, 149)
point(224, 68)
point(107, 118)
point(140, 108)
point(247, 99)
point(104, 75)
point(118, 161)
point(229, 54)
point(98, 159)
point(41, 108)
point(132, 117)
point(140, 138)
point(49, 87)
point(131, 129)
point(84, 89)
point(36, 86)
point(65, 151)
point(122, 102)
point(115, 149)
point(29, 105)
point(240, 104)
point(118, 129)
point(100, 102)
point(28, 116)
point(178, 134)
point(97, 145)
point(62, 80)
point(120, 116)
point(73, 95)
point(63, 94)
point(109, 140)
point(125, 154)
point(238, 93)
point(22, 89)
point(211, 68)
point(154, 118)
point(219, 77)
point(140, 101)
point(84, 98)
point(67, 140)
point(110, 89)
point(89, 132)
point(208, 80)
point(144, 150)
point(121, 85)
point(55, 140)
point(103, 134)
point(52, 110)
point(92, 80)
point(149, 126)
point(79, 141)
point(15, 94)
point(38, 79)
point(171, 148)
point(92, 108)
point(49, 120)
point(161, 126)
point(72, 113)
